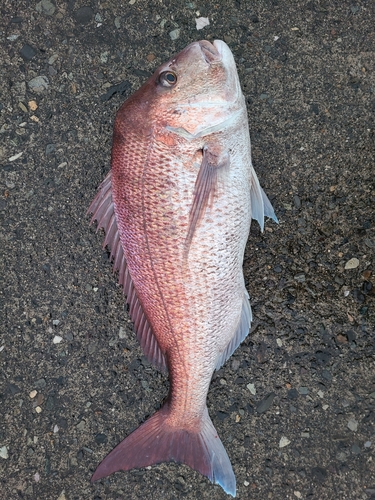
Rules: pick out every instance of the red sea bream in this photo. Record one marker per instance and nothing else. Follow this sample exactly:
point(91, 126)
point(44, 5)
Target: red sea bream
point(176, 208)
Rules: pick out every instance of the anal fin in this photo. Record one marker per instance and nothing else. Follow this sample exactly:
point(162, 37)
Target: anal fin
point(241, 331)
point(102, 208)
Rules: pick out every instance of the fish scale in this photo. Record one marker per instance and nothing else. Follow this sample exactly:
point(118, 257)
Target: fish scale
point(176, 209)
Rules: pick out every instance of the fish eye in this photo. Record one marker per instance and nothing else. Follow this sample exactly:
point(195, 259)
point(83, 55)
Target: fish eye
point(168, 78)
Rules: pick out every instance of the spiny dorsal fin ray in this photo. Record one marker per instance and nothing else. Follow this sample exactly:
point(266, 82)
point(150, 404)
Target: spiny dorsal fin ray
point(103, 211)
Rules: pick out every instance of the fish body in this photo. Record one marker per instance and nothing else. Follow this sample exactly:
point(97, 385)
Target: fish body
point(176, 208)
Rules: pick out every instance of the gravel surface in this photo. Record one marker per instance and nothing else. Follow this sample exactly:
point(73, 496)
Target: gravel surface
point(295, 405)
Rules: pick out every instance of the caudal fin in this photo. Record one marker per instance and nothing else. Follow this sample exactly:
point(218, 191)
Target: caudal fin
point(155, 441)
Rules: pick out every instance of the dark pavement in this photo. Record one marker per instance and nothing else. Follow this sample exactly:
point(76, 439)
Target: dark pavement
point(295, 405)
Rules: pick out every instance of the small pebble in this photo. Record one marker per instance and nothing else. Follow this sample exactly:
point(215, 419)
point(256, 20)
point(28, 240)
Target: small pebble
point(101, 438)
point(252, 389)
point(32, 105)
point(367, 444)
point(352, 263)
point(223, 381)
point(15, 157)
point(81, 425)
point(38, 409)
point(122, 333)
point(104, 57)
point(84, 15)
point(45, 7)
point(41, 383)
point(279, 342)
point(235, 365)
point(39, 83)
point(201, 22)
point(37, 477)
point(265, 404)
point(91, 348)
point(57, 339)
point(297, 494)
point(50, 148)
point(303, 390)
point(175, 34)
point(356, 450)
point(246, 483)
point(23, 107)
point(284, 441)
point(353, 425)
point(53, 59)
point(62, 496)
point(33, 393)
point(55, 429)
point(27, 52)
point(4, 452)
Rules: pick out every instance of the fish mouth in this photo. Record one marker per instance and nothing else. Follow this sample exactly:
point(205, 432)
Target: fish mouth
point(210, 51)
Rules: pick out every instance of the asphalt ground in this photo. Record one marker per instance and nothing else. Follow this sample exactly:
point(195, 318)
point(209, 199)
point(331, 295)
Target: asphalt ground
point(295, 405)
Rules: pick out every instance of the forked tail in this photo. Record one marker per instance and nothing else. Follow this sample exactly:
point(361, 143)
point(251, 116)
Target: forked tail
point(156, 441)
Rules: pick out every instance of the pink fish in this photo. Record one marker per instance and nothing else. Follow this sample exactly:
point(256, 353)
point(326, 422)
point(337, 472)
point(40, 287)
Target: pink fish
point(176, 208)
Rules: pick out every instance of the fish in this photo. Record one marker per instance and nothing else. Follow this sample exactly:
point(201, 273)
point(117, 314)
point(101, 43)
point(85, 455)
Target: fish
point(176, 209)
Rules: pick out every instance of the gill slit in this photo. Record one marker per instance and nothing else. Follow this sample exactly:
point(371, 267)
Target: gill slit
point(146, 164)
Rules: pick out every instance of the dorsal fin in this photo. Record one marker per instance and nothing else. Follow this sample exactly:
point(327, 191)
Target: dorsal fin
point(103, 211)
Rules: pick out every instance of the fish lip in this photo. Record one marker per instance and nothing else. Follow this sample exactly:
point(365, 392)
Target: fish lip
point(210, 51)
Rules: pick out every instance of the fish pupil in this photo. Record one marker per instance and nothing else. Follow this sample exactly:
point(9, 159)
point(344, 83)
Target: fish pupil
point(168, 78)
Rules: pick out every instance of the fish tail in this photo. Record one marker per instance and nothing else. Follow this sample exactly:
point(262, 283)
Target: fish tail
point(156, 441)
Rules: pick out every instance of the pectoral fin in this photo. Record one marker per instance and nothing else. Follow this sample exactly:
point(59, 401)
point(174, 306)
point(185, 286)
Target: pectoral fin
point(205, 188)
point(260, 205)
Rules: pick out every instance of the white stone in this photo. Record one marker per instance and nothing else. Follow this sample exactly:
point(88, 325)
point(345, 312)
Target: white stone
point(352, 263)
point(284, 441)
point(353, 425)
point(252, 389)
point(201, 22)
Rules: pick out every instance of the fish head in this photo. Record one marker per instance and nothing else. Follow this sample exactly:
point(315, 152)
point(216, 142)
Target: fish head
point(196, 90)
